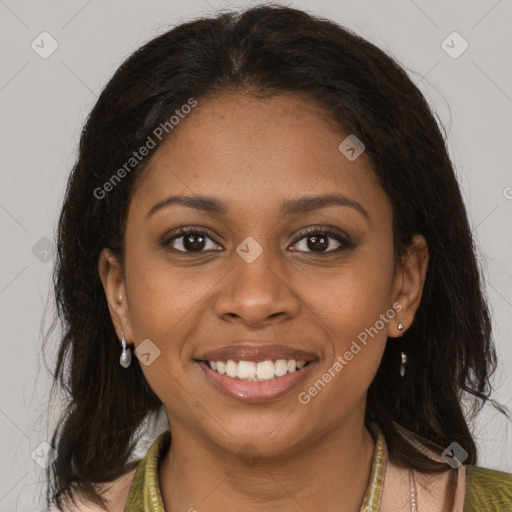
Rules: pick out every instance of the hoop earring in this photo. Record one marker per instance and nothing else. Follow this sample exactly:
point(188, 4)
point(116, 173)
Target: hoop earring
point(403, 355)
point(125, 360)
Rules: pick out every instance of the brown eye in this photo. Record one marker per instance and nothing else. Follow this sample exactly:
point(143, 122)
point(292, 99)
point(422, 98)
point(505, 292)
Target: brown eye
point(191, 240)
point(322, 241)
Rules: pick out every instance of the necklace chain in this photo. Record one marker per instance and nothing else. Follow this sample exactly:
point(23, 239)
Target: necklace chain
point(412, 483)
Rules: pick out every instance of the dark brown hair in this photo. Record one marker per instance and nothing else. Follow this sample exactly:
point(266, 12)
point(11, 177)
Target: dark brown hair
point(270, 50)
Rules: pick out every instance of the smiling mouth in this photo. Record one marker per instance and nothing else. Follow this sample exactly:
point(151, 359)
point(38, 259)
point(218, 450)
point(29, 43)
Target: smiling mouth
point(258, 381)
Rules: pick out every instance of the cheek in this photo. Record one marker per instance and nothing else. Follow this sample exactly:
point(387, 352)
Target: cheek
point(166, 306)
point(354, 310)
point(164, 309)
point(351, 298)
point(163, 299)
point(354, 306)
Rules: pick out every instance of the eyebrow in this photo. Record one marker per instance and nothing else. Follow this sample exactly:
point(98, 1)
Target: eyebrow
point(288, 207)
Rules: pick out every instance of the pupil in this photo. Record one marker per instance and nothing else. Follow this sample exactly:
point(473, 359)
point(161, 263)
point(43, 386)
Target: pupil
point(192, 242)
point(323, 243)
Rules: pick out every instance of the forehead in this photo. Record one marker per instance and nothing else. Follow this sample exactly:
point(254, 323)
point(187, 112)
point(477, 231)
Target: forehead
point(246, 150)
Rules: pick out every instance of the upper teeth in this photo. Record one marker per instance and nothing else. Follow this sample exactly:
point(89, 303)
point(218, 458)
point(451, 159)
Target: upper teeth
point(251, 370)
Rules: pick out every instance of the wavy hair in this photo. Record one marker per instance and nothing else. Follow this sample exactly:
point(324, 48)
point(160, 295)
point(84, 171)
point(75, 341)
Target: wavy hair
point(268, 50)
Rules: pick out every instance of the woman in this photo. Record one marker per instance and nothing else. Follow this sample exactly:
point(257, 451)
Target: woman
point(264, 213)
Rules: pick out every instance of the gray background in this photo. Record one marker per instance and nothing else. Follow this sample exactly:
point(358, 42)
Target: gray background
point(44, 102)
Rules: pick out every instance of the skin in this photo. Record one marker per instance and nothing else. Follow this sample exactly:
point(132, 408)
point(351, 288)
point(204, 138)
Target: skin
point(253, 154)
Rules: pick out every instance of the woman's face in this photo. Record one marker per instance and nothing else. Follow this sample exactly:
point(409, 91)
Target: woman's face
point(256, 275)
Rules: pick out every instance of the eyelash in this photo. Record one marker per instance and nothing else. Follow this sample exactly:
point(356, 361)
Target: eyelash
point(344, 242)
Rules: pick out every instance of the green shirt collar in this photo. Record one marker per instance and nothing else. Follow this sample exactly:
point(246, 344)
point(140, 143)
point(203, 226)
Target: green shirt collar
point(145, 490)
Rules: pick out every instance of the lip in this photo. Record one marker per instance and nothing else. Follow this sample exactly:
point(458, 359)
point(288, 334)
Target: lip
point(256, 391)
point(256, 353)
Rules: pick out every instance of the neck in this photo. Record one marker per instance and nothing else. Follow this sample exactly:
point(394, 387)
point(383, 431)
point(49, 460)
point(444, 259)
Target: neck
point(330, 473)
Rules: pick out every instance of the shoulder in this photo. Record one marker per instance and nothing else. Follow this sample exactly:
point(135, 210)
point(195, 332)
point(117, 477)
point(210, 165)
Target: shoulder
point(115, 492)
point(487, 490)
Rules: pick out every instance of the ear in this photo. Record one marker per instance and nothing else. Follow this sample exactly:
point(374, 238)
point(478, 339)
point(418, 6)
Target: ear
point(408, 283)
point(111, 275)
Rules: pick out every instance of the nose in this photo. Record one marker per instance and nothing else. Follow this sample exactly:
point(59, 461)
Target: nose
point(257, 294)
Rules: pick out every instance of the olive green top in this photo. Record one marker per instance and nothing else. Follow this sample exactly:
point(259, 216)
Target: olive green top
point(486, 490)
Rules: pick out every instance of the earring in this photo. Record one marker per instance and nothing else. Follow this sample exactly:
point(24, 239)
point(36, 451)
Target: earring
point(126, 355)
point(403, 355)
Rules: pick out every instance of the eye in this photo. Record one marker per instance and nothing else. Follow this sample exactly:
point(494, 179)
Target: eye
point(318, 240)
point(190, 240)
